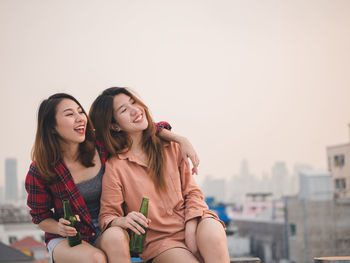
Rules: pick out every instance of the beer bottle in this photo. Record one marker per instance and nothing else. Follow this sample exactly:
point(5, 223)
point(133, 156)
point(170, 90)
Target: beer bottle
point(137, 242)
point(68, 215)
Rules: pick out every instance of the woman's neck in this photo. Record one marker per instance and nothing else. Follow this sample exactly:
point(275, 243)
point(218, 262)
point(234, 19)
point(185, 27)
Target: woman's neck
point(136, 146)
point(70, 151)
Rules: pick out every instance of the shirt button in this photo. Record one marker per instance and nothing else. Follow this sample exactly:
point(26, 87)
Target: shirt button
point(170, 212)
point(93, 234)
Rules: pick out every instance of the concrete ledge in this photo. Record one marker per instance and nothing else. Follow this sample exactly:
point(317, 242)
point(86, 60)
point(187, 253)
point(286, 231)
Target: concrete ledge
point(245, 260)
point(232, 260)
point(344, 259)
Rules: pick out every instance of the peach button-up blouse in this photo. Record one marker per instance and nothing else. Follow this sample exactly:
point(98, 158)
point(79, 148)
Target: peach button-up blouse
point(126, 181)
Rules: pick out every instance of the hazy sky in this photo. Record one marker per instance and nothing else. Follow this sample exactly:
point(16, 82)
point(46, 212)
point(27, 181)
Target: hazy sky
point(265, 80)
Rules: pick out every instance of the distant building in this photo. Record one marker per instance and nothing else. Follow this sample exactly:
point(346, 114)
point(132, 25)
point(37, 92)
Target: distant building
point(315, 185)
point(297, 228)
point(267, 238)
point(317, 225)
point(279, 178)
point(241, 183)
point(261, 219)
point(258, 206)
point(32, 248)
point(1, 194)
point(294, 180)
point(16, 223)
point(339, 167)
point(318, 229)
point(11, 187)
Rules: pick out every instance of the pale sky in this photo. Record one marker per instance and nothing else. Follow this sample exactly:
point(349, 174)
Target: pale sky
point(265, 80)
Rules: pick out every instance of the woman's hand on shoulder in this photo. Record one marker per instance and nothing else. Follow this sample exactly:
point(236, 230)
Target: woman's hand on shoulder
point(132, 221)
point(188, 151)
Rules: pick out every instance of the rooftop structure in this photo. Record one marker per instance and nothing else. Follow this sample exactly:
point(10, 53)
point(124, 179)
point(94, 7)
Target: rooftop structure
point(339, 166)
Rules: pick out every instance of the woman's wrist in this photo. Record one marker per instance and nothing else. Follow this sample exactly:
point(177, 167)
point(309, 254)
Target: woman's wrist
point(180, 139)
point(115, 222)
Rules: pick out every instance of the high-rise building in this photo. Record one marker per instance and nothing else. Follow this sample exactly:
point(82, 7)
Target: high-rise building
point(279, 179)
point(11, 187)
point(1, 194)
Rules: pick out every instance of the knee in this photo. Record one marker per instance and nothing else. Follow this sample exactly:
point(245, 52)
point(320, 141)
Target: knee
point(213, 233)
point(216, 240)
point(115, 238)
point(98, 257)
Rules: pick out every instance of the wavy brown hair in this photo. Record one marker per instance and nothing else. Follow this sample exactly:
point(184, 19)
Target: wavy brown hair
point(47, 151)
point(101, 115)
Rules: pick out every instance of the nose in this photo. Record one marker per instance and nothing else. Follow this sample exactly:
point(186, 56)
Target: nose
point(134, 110)
point(79, 117)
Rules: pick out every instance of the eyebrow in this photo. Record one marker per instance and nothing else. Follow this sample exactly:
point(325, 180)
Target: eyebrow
point(70, 109)
point(122, 105)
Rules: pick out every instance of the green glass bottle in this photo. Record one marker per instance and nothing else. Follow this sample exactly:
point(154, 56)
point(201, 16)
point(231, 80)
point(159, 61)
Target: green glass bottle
point(137, 242)
point(68, 215)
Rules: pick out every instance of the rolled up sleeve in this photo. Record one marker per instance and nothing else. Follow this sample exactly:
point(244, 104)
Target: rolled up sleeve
point(39, 199)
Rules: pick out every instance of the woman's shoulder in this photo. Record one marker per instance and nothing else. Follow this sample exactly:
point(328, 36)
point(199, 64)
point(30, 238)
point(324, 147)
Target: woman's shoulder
point(34, 174)
point(33, 169)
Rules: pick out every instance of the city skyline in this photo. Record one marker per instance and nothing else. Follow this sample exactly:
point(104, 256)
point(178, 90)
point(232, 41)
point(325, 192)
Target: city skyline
point(262, 80)
point(279, 181)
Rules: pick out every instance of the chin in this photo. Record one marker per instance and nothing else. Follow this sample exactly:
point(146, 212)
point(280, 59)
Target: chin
point(82, 140)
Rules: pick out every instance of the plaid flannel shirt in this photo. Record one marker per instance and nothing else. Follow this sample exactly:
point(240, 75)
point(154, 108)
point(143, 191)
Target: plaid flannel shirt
point(45, 201)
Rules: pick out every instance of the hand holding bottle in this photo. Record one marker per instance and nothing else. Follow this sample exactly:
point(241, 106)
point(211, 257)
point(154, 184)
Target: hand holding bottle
point(64, 228)
point(132, 221)
point(137, 242)
point(72, 220)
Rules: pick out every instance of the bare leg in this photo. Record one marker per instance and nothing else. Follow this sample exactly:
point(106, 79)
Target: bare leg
point(176, 255)
point(115, 243)
point(211, 241)
point(84, 253)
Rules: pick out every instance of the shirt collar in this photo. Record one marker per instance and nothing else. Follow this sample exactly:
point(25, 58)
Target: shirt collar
point(128, 155)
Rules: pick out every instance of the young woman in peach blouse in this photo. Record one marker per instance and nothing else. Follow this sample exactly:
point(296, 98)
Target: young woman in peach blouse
point(180, 226)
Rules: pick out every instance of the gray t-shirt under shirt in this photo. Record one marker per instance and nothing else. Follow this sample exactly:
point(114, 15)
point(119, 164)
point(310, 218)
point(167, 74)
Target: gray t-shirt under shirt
point(91, 192)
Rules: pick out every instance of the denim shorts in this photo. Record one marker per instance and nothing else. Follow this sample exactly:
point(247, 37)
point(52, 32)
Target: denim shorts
point(54, 242)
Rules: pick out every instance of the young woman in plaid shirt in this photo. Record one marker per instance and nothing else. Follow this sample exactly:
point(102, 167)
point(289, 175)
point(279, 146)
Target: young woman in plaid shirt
point(68, 163)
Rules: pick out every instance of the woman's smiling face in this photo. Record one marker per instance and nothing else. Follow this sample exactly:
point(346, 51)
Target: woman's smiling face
point(129, 115)
point(71, 121)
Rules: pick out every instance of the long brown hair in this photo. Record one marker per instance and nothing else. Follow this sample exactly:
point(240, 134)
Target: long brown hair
point(46, 150)
point(101, 115)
